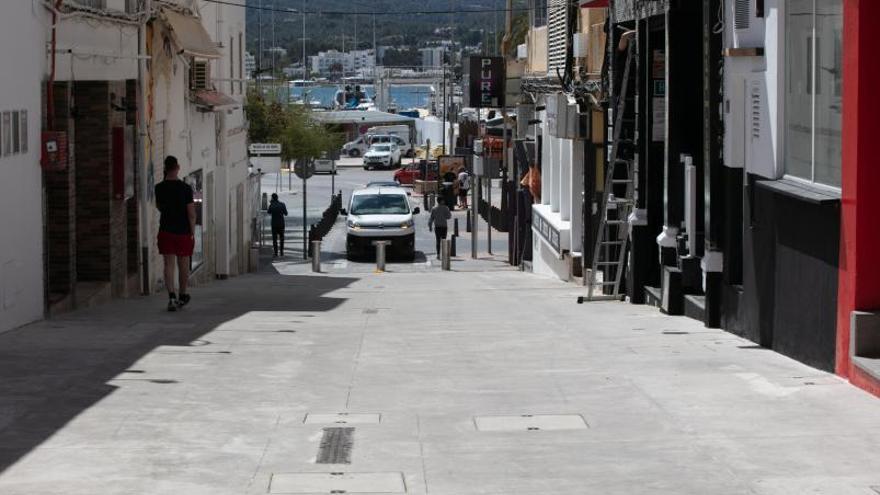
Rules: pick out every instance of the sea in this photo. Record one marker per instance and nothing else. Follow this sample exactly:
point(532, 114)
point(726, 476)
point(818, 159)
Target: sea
point(405, 96)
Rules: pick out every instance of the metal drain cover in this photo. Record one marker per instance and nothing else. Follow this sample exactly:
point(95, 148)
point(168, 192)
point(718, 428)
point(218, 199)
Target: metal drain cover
point(337, 482)
point(336, 445)
point(342, 419)
point(529, 422)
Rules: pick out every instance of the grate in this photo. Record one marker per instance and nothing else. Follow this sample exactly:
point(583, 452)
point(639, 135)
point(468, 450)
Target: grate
point(336, 445)
point(531, 422)
point(336, 482)
point(370, 311)
point(342, 419)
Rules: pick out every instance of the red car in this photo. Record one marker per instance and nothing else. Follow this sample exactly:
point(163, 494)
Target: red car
point(410, 173)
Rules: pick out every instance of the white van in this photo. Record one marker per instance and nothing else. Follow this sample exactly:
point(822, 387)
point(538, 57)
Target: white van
point(380, 214)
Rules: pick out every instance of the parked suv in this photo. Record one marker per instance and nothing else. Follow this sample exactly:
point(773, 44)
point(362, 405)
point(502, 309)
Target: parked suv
point(380, 214)
point(385, 155)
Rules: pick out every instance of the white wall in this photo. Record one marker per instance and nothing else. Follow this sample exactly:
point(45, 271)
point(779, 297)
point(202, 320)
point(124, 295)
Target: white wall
point(96, 50)
point(22, 26)
point(561, 202)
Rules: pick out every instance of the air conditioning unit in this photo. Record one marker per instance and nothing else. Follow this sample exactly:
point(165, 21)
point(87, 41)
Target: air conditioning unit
point(200, 75)
point(748, 23)
point(564, 119)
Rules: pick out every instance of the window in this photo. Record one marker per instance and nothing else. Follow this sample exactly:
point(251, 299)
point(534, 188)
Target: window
point(539, 13)
point(814, 49)
point(231, 67)
point(240, 64)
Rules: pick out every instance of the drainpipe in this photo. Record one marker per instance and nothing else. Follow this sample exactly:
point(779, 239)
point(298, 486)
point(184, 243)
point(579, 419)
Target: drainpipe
point(143, 153)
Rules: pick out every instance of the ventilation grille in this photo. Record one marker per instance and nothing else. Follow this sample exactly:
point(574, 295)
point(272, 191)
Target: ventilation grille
point(199, 74)
point(742, 14)
point(557, 34)
point(755, 99)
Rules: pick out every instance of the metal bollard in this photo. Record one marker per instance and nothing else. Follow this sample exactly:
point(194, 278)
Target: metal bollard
point(316, 256)
point(455, 228)
point(264, 202)
point(445, 262)
point(467, 225)
point(380, 255)
point(454, 249)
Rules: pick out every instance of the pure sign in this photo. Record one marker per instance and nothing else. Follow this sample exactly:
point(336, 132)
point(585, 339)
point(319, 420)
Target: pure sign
point(485, 80)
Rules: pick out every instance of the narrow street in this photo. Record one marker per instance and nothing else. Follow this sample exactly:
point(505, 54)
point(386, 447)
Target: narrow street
point(437, 383)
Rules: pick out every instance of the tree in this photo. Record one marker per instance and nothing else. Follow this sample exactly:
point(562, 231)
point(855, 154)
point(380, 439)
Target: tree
point(290, 125)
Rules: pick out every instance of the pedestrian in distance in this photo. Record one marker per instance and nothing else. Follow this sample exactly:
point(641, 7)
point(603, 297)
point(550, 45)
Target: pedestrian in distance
point(278, 211)
point(439, 221)
point(177, 226)
point(464, 186)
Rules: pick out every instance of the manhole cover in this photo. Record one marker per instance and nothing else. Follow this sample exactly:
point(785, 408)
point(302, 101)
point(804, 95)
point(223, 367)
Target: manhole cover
point(342, 419)
point(529, 422)
point(336, 445)
point(337, 483)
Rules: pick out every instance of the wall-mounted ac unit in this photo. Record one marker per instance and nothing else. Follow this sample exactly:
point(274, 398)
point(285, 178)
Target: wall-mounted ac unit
point(200, 75)
point(564, 119)
point(748, 23)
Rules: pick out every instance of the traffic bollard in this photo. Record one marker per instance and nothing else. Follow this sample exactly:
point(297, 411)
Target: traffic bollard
point(316, 256)
point(455, 227)
point(454, 249)
point(445, 262)
point(467, 225)
point(380, 255)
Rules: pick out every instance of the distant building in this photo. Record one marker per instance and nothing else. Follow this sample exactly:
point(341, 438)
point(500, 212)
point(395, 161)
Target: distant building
point(250, 65)
point(275, 50)
point(355, 62)
point(432, 57)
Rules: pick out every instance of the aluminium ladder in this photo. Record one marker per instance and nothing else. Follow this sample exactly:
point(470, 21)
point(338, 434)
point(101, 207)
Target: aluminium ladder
point(612, 239)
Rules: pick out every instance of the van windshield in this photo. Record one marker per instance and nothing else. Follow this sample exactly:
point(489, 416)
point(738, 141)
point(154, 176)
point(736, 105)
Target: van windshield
point(379, 204)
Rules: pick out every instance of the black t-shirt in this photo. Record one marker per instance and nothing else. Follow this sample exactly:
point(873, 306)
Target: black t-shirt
point(172, 198)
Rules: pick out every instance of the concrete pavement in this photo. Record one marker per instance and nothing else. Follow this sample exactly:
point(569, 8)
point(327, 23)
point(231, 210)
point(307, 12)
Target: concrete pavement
point(456, 383)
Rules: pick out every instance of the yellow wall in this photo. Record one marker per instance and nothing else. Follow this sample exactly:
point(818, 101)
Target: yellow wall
point(537, 51)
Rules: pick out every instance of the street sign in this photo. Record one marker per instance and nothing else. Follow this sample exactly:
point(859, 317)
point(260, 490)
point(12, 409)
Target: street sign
point(304, 169)
point(263, 149)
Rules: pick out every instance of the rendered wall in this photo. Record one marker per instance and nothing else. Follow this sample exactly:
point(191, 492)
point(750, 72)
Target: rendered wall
point(21, 198)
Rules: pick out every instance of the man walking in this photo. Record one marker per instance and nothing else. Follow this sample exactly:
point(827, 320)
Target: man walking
point(278, 210)
point(177, 225)
point(464, 186)
point(438, 222)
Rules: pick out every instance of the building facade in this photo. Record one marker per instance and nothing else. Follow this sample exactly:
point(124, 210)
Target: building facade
point(21, 191)
point(358, 63)
point(118, 117)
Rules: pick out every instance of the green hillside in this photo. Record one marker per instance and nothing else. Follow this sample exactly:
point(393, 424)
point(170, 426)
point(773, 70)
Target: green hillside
point(400, 28)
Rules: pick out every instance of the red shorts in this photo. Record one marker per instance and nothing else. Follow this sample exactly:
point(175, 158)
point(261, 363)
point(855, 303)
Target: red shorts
point(176, 244)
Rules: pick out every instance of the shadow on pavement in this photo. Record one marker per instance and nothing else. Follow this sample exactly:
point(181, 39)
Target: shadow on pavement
point(54, 370)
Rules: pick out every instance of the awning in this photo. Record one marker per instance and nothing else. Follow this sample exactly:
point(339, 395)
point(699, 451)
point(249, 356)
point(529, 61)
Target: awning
point(213, 101)
point(190, 35)
point(593, 4)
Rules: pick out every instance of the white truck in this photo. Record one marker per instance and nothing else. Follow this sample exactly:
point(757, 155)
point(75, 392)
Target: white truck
point(401, 130)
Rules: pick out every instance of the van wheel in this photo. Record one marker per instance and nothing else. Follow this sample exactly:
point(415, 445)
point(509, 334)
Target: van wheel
point(354, 153)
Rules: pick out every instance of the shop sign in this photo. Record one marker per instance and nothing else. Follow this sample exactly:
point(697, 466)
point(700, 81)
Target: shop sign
point(546, 230)
point(485, 81)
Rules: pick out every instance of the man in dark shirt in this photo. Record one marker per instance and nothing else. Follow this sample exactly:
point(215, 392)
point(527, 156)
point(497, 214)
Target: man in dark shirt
point(278, 210)
point(177, 223)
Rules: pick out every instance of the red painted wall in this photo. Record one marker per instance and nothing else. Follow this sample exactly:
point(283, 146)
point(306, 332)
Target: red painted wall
point(859, 281)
